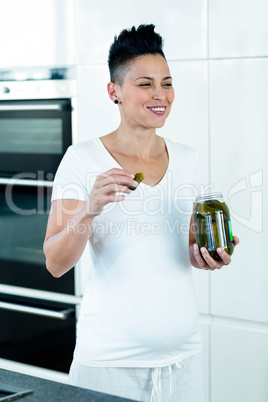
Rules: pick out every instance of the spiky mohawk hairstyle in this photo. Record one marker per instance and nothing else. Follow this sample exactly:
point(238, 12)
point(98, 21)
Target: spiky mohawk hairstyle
point(131, 43)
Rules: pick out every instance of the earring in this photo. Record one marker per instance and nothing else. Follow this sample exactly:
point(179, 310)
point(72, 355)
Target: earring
point(116, 101)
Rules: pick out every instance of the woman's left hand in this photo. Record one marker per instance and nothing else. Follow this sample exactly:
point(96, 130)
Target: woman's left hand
point(201, 258)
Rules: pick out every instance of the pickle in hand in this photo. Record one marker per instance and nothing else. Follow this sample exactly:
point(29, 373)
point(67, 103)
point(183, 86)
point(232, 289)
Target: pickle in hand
point(138, 177)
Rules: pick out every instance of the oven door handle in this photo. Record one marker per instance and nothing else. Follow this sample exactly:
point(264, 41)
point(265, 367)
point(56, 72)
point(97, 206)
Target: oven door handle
point(60, 315)
point(11, 108)
point(26, 182)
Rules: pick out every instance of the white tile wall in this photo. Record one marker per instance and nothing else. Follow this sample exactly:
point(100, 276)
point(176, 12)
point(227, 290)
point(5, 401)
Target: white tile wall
point(188, 121)
point(238, 28)
point(205, 332)
point(97, 114)
point(183, 24)
point(202, 288)
point(239, 142)
point(239, 363)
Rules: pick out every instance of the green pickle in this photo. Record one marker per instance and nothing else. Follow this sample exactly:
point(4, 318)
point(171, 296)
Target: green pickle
point(213, 224)
point(138, 177)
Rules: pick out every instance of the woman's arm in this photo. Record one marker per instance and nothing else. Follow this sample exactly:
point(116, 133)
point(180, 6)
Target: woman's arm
point(67, 233)
point(70, 221)
point(204, 260)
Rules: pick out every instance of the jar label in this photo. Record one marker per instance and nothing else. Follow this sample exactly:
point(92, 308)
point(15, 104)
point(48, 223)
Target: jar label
point(230, 230)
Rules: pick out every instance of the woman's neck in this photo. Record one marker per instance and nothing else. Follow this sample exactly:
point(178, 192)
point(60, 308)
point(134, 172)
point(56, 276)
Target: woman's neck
point(142, 143)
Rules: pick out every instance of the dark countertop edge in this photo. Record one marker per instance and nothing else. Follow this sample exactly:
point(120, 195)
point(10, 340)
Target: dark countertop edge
point(52, 391)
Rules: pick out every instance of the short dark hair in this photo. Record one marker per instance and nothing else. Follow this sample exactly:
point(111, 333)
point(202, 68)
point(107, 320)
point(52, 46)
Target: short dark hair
point(131, 43)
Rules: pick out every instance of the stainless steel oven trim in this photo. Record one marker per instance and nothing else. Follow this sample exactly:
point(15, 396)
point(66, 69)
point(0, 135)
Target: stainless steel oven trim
point(11, 108)
point(60, 315)
point(40, 294)
point(26, 182)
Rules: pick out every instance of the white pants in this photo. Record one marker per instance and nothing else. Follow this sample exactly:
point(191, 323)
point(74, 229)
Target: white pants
point(180, 382)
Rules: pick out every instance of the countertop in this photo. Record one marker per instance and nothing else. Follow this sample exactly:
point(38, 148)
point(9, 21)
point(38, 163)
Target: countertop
point(50, 391)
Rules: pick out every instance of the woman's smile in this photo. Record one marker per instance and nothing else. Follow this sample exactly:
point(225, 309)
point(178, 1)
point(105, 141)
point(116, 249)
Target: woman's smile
point(159, 110)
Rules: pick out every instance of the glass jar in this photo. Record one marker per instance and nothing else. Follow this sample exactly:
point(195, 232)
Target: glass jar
point(212, 224)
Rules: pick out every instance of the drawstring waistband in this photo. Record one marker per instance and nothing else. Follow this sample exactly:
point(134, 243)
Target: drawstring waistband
point(178, 365)
point(156, 379)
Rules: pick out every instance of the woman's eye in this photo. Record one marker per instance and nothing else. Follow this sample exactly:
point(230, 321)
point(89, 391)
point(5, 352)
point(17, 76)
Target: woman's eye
point(145, 84)
point(168, 84)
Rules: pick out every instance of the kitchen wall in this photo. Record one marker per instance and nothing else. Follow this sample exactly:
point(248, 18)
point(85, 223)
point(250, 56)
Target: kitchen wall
point(218, 56)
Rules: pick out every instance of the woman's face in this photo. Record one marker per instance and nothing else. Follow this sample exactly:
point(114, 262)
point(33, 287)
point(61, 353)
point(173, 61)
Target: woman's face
point(146, 94)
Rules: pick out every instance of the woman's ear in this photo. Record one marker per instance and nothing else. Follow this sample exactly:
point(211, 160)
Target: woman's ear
point(113, 90)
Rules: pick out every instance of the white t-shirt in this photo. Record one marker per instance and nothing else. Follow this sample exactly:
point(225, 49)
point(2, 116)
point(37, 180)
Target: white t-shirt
point(139, 308)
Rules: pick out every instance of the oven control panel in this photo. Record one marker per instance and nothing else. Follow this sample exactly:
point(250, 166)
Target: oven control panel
point(43, 89)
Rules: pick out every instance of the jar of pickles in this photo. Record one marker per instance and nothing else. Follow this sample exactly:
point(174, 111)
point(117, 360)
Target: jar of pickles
point(212, 224)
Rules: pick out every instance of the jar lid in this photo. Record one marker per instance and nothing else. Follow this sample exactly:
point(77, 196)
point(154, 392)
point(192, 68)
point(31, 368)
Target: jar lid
point(208, 196)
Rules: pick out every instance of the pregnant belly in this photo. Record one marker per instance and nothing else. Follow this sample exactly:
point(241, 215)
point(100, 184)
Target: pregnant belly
point(146, 319)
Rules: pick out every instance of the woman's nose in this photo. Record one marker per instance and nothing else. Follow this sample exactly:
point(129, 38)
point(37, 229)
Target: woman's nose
point(159, 93)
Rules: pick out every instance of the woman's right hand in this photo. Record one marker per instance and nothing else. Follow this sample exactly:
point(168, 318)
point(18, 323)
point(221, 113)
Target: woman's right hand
point(105, 190)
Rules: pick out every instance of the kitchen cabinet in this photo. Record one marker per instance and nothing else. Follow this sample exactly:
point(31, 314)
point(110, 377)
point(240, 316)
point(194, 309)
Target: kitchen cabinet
point(239, 164)
point(237, 31)
point(182, 24)
point(36, 33)
point(239, 362)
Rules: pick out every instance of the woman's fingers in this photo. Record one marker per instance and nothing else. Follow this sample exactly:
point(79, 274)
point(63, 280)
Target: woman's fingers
point(199, 257)
point(205, 261)
point(106, 187)
point(210, 262)
point(113, 189)
point(114, 181)
point(120, 181)
point(213, 264)
point(96, 202)
point(112, 198)
point(119, 178)
point(115, 173)
point(236, 240)
point(224, 256)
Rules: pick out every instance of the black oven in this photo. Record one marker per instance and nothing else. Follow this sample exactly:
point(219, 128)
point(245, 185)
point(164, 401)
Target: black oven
point(37, 311)
point(37, 332)
point(24, 209)
point(34, 135)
